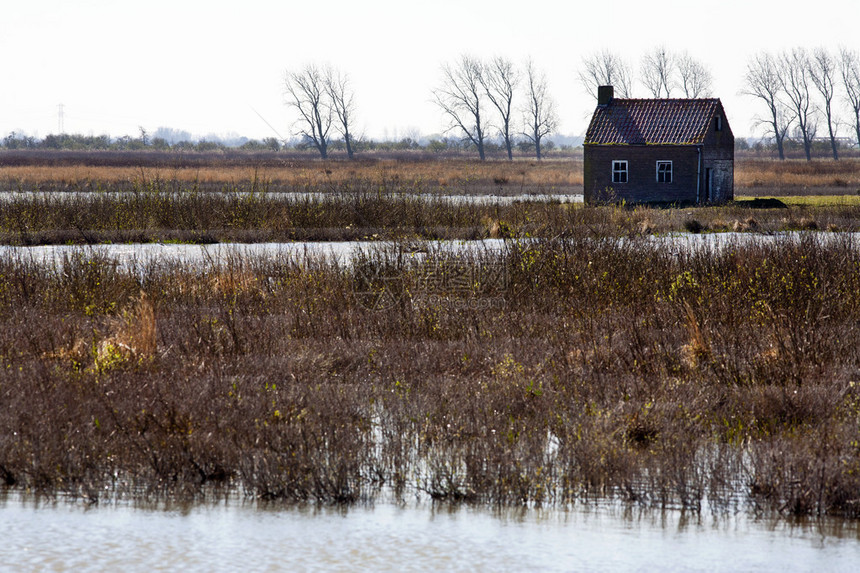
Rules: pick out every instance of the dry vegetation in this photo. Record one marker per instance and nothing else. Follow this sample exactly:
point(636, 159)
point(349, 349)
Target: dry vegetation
point(449, 176)
point(595, 365)
point(339, 200)
point(363, 211)
point(283, 172)
point(596, 369)
point(796, 177)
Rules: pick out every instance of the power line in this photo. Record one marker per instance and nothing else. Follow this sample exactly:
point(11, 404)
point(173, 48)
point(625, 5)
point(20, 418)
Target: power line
point(269, 124)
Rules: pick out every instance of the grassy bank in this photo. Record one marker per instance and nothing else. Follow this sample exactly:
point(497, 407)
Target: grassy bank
point(452, 176)
point(149, 197)
point(359, 211)
point(797, 177)
point(93, 171)
point(556, 372)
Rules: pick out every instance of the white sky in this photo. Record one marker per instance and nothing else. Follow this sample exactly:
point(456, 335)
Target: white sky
point(205, 66)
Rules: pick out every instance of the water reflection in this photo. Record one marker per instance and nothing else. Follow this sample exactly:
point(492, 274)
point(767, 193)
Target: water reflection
point(343, 251)
point(233, 535)
point(146, 253)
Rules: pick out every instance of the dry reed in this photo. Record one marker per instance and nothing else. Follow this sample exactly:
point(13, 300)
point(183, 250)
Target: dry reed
point(93, 171)
point(602, 369)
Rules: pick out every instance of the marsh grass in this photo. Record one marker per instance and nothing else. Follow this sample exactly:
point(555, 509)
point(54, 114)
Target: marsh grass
point(614, 370)
point(795, 177)
point(81, 171)
point(202, 198)
point(600, 365)
point(358, 211)
point(273, 173)
point(816, 200)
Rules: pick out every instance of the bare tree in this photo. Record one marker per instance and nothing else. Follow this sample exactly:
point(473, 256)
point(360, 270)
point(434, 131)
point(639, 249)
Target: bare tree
point(606, 69)
point(540, 118)
point(849, 64)
point(795, 78)
point(500, 80)
point(823, 72)
point(461, 98)
point(306, 92)
point(657, 72)
point(762, 81)
point(694, 77)
point(663, 71)
point(342, 101)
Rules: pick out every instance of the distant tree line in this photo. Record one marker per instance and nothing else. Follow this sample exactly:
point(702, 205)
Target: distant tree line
point(498, 106)
point(78, 142)
point(432, 144)
point(793, 148)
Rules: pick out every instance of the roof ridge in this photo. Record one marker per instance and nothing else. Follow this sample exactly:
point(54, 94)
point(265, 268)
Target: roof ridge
point(656, 99)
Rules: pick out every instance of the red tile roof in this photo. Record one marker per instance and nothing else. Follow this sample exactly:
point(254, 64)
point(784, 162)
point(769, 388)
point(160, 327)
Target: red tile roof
point(652, 121)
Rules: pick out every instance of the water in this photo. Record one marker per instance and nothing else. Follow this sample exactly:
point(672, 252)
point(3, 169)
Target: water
point(233, 536)
point(386, 537)
point(311, 196)
point(343, 251)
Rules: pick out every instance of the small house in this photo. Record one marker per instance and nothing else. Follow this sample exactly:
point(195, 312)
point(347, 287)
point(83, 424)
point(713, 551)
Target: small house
point(658, 151)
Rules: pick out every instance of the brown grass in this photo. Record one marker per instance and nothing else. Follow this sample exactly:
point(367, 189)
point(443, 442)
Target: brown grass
point(759, 176)
point(595, 368)
point(463, 175)
point(604, 369)
point(753, 176)
point(175, 211)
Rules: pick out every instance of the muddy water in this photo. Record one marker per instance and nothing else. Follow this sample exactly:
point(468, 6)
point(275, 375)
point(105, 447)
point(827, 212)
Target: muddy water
point(233, 536)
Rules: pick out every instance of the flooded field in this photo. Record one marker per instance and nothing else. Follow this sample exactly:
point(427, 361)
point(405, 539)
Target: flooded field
point(711, 383)
point(631, 397)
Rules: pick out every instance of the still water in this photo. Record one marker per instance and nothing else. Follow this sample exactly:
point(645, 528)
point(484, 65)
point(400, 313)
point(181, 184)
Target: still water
point(344, 251)
point(311, 196)
point(143, 253)
point(234, 536)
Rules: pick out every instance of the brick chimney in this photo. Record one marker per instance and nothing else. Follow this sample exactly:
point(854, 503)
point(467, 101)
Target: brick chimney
point(604, 95)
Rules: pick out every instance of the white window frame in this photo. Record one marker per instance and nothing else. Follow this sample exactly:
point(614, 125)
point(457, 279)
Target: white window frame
point(670, 171)
point(619, 168)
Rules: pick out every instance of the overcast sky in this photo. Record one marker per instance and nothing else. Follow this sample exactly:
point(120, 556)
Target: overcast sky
point(212, 66)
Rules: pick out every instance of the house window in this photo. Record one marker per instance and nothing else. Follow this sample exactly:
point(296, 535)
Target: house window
point(718, 123)
point(664, 172)
point(619, 171)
